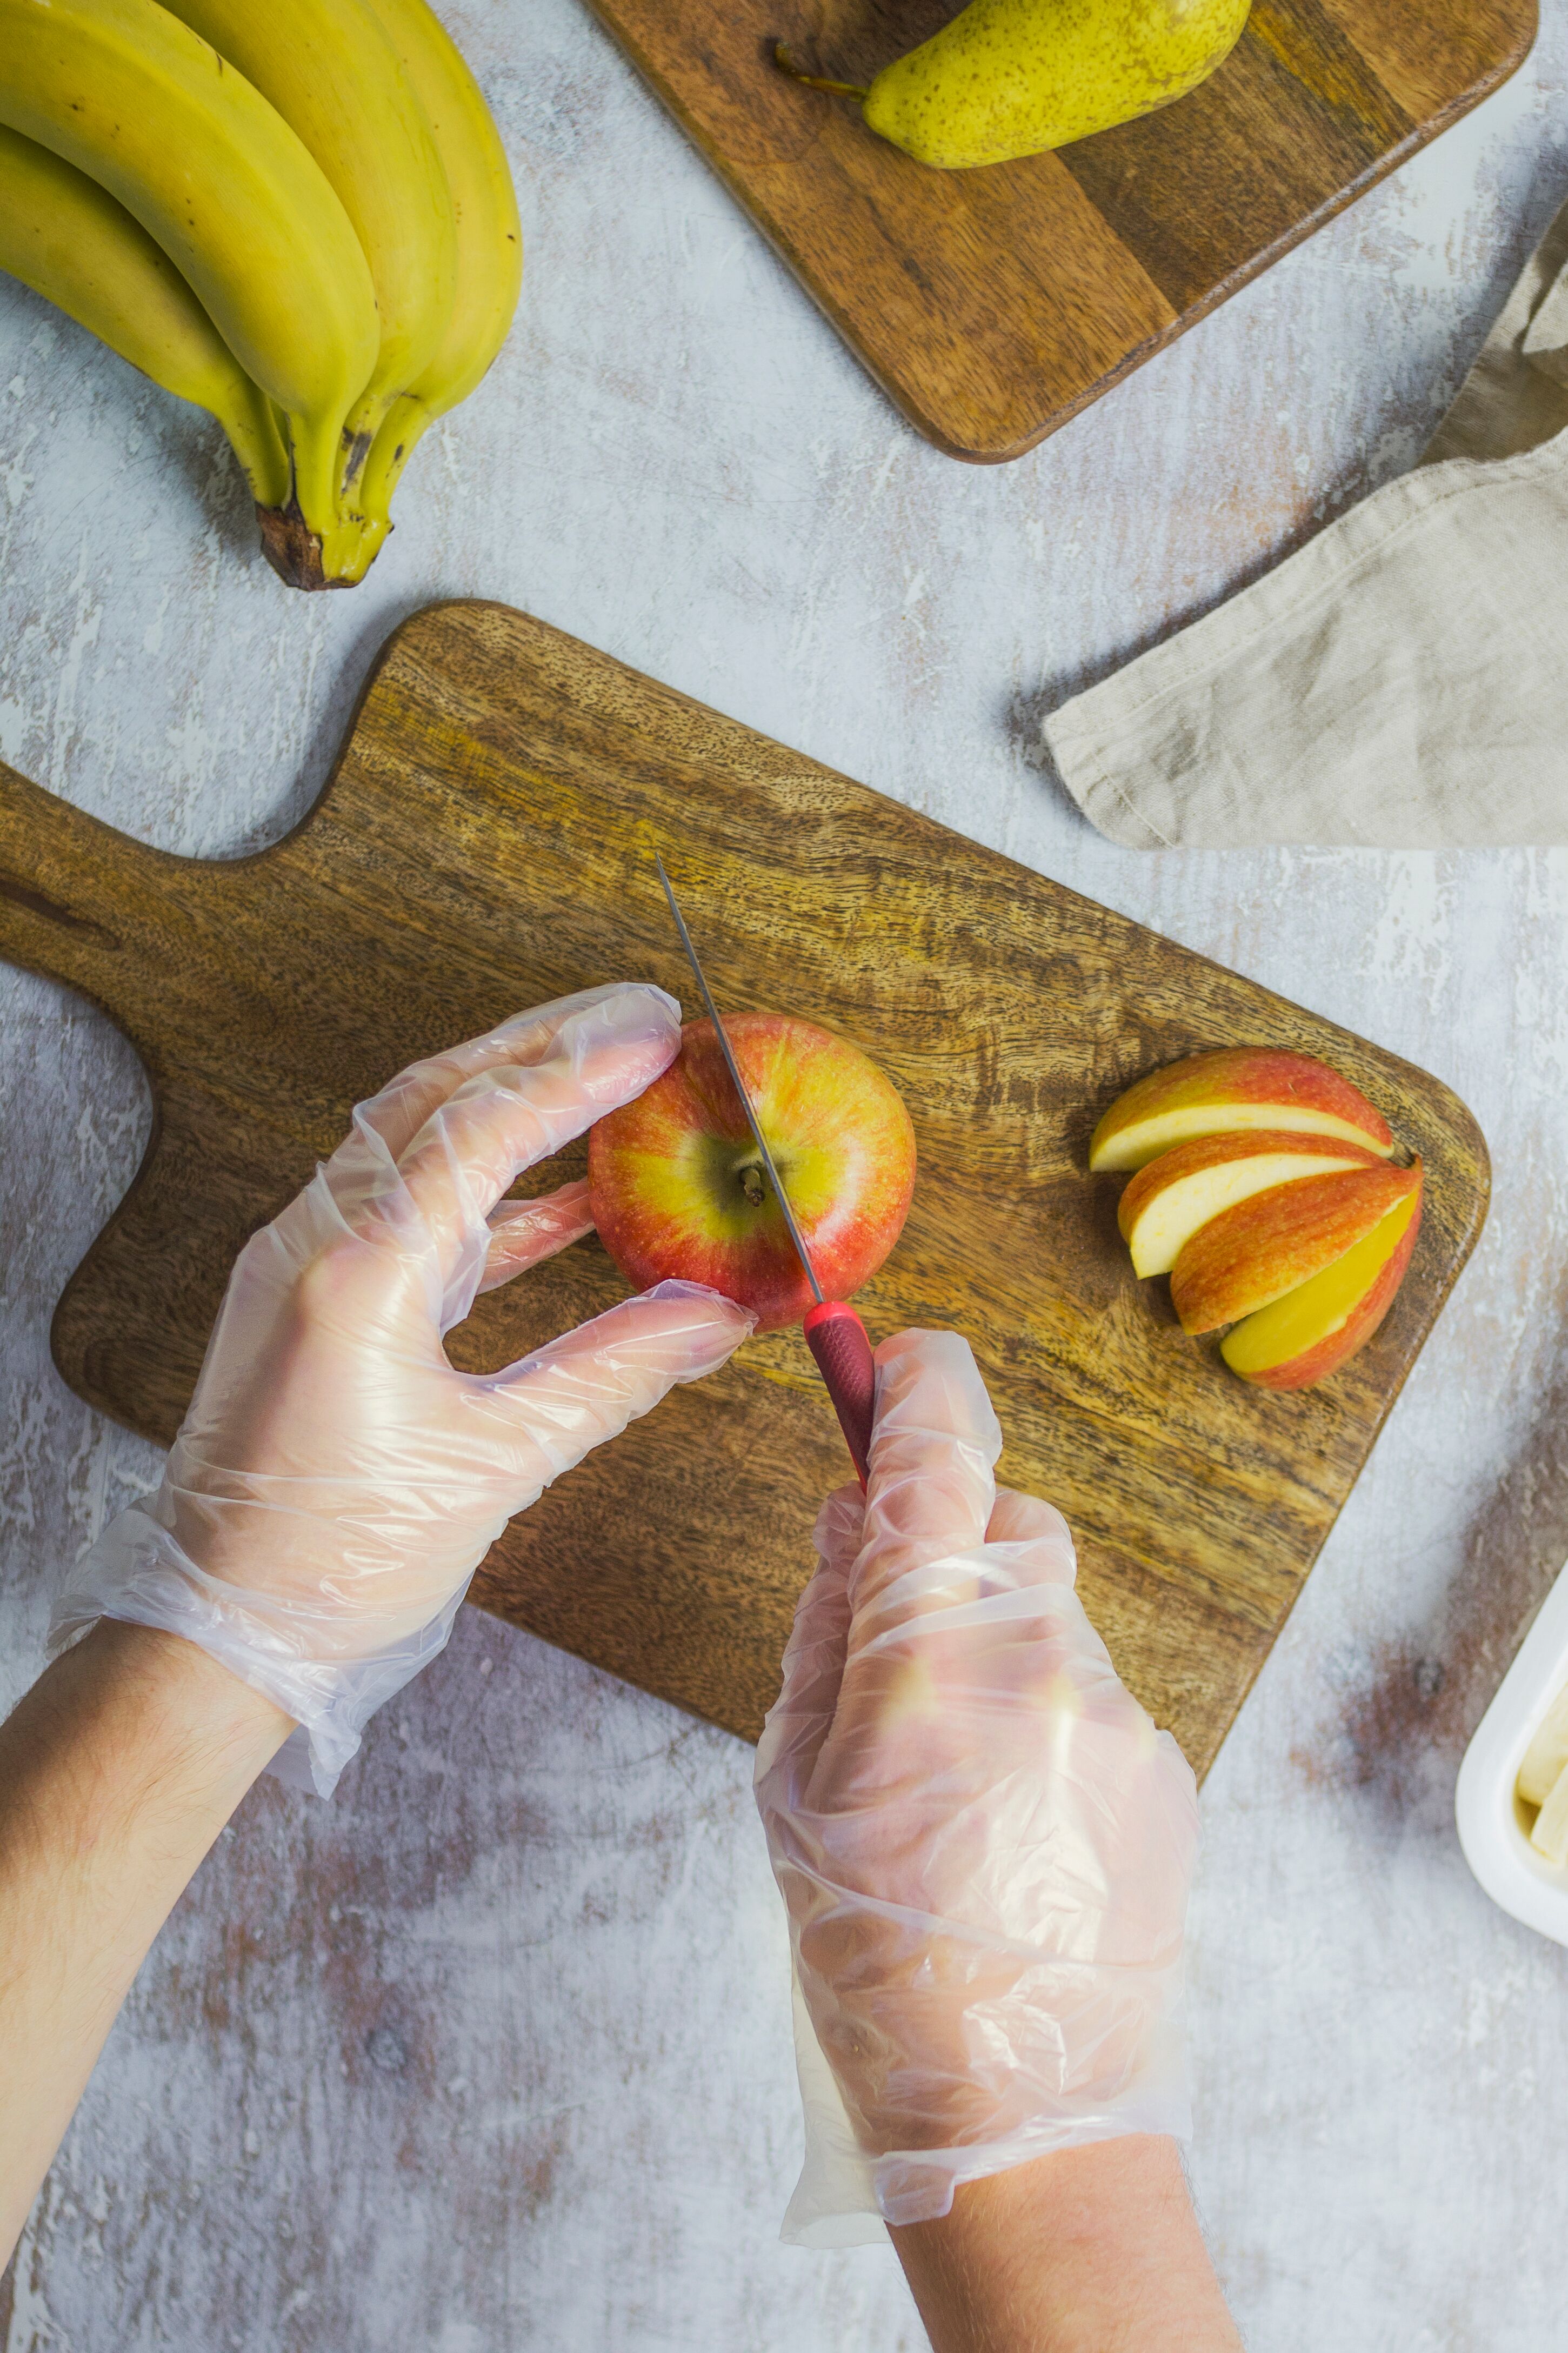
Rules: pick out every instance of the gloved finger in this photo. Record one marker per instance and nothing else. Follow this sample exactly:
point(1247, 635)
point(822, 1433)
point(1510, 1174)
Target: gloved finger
point(524, 1232)
point(1025, 1520)
point(575, 1392)
point(934, 1444)
point(506, 1118)
point(802, 1717)
point(909, 1691)
point(402, 1107)
point(840, 1525)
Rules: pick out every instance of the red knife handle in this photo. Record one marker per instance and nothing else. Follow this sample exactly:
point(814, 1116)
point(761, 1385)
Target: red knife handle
point(839, 1340)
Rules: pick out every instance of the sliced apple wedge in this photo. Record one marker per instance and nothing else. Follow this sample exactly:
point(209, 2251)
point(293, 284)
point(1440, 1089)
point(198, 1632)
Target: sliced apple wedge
point(1222, 1093)
point(1251, 1255)
point(1315, 1329)
point(1172, 1198)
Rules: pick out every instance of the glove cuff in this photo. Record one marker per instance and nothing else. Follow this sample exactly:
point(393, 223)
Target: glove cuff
point(847, 2195)
point(136, 1572)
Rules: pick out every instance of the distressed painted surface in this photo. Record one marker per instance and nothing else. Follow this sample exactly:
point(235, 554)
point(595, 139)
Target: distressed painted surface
point(494, 2052)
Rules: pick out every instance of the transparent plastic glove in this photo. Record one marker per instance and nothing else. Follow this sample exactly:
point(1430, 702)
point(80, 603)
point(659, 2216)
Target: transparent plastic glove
point(984, 1844)
point(337, 1481)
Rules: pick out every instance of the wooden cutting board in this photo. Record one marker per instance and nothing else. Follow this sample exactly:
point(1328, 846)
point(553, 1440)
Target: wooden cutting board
point(474, 854)
point(993, 305)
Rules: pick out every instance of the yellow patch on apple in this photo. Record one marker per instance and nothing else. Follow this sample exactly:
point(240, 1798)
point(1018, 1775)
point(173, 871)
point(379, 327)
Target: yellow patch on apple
point(1319, 1326)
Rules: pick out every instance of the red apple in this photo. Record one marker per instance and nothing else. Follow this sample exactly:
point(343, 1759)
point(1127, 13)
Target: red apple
point(1317, 1327)
point(677, 1186)
point(1254, 1253)
point(1173, 1198)
point(1220, 1093)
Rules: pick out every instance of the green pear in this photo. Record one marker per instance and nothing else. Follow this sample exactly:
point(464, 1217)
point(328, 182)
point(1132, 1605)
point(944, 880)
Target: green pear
point(1009, 78)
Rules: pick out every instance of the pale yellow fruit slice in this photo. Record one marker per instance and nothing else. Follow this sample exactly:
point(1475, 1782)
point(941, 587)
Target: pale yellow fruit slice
point(1547, 1754)
point(1313, 1330)
point(1171, 1198)
point(1549, 1835)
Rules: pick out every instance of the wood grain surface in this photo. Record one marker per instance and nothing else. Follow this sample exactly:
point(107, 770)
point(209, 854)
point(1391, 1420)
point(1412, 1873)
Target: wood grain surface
point(475, 851)
point(993, 305)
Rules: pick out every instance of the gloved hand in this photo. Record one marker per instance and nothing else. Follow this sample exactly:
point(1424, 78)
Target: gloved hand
point(336, 1482)
point(984, 1844)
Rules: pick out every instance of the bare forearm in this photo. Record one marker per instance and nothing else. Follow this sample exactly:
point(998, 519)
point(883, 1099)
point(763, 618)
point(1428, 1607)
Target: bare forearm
point(117, 1772)
point(1095, 2250)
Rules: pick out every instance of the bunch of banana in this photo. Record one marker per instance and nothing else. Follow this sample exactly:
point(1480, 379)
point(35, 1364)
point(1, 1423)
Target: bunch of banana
point(297, 215)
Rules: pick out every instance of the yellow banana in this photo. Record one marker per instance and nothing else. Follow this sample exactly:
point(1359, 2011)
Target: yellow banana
point(490, 252)
point(330, 70)
point(67, 238)
point(133, 98)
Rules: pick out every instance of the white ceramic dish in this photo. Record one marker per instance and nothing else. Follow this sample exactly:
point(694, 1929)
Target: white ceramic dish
point(1494, 1824)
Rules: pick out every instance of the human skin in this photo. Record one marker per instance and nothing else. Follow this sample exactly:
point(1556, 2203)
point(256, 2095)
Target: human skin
point(120, 1766)
point(333, 1486)
point(952, 1777)
point(117, 1772)
point(1093, 2250)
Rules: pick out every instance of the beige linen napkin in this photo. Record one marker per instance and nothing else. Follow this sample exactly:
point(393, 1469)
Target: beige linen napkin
point(1402, 681)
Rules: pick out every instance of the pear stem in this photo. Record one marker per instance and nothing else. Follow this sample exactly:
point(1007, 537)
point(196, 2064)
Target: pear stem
point(814, 81)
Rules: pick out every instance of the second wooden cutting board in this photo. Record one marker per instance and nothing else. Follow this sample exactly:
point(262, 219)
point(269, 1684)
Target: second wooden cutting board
point(475, 852)
point(993, 305)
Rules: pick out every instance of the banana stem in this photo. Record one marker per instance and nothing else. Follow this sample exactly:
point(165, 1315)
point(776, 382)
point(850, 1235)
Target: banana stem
point(315, 452)
point(250, 422)
point(303, 558)
point(315, 539)
point(361, 428)
point(404, 422)
point(814, 81)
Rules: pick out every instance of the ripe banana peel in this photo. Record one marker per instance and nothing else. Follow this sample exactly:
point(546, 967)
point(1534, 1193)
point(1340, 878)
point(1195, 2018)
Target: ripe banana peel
point(331, 72)
point(490, 248)
point(67, 238)
point(136, 100)
point(299, 215)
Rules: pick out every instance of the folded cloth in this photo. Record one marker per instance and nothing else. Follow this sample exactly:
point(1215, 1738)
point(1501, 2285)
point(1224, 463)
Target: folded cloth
point(1397, 683)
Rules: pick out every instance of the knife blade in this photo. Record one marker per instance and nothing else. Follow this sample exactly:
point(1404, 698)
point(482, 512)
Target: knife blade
point(840, 1343)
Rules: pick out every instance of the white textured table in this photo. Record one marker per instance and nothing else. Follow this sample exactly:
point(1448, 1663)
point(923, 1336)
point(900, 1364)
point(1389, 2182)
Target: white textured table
point(493, 2053)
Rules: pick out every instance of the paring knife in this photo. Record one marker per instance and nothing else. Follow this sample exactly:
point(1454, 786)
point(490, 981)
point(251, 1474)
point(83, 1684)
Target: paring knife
point(834, 1331)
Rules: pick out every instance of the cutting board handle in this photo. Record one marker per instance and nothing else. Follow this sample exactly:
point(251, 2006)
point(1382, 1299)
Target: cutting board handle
point(78, 901)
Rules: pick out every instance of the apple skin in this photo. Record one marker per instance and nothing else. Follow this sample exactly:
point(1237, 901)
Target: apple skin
point(668, 1174)
point(1172, 1198)
point(1249, 1256)
point(1338, 1342)
point(1238, 1087)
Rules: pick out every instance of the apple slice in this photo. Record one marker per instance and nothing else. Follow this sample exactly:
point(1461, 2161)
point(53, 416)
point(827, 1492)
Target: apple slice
point(1255, 1252)
point(1221, 1094)
point(1314, 1330)
point(1173, 1197)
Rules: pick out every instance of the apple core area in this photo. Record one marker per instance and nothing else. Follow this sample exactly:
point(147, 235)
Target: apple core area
point(678, 1188)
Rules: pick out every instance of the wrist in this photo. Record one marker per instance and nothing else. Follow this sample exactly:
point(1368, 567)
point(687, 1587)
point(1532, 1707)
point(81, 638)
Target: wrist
point(156, 1726)
point(117, 1771)
point(1091, 2249)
